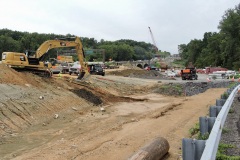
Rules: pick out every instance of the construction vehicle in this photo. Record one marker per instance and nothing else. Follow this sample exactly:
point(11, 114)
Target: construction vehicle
point(154, 43)
point(189, 73)
point(35, 63)
point(96, 69)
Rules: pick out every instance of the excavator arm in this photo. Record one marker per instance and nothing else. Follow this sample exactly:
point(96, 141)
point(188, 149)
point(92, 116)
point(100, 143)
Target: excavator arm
point(50, 44)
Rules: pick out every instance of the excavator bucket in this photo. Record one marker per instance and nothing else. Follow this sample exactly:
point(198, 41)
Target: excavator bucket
point(81, 75)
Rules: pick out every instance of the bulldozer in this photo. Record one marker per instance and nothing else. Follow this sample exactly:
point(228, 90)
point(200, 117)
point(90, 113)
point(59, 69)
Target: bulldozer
point(35, 63)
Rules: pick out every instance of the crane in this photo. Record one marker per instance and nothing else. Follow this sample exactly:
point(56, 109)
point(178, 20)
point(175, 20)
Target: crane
point(154, 43)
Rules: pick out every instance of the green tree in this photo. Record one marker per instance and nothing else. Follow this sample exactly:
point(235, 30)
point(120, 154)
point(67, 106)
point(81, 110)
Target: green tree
point(139, 53)
point(230, 29)
point(116, 50)
point(183, 51)
point(8, 44)
point(217, 49)
point(110, 51)
point(124, 52)
point(194, 50)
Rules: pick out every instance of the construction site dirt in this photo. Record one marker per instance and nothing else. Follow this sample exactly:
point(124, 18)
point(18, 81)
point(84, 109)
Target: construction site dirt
point(103, 117)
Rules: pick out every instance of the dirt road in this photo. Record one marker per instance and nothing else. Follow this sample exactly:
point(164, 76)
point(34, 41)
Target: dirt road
point(114, 118)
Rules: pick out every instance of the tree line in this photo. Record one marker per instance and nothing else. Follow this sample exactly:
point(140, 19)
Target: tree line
point(217, 48)
point(120, 50)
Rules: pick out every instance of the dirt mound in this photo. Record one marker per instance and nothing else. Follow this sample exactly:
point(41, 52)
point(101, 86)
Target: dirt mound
point(10, 76)
point(95, 93)
point(138, 73)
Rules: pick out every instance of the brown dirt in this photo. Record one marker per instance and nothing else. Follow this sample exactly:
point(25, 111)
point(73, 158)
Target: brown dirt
point(132, 116)
point(151, 74)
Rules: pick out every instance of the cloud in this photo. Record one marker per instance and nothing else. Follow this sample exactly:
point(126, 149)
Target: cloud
point(172, 22)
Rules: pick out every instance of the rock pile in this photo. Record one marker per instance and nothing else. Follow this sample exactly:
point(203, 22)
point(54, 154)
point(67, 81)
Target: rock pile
point(189, 88)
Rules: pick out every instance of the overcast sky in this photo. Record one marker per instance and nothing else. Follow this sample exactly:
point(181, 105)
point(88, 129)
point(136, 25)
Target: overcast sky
point(172, 22)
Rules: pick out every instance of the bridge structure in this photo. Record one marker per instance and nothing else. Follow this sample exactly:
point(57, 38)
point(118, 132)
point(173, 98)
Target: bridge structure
point(140, 64)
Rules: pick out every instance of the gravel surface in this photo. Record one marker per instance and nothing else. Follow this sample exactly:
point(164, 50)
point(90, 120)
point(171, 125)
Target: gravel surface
point(189, 88)
point(231, 133)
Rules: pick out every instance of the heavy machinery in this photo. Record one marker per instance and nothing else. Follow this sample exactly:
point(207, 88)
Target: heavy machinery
point(155, 46)
point(35, 63)
point(96, 69)
point(189, 73)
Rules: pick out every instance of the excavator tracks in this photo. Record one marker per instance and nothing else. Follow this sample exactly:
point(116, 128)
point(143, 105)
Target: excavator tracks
point(41, 73)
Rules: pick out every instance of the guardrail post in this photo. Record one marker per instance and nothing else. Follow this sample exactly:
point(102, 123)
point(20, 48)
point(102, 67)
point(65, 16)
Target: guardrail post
point(220, 102)
point(192, 149)
point(212, 143)
point(229, 91)
point(214, 110)
point(206, 124)
point(224, 95)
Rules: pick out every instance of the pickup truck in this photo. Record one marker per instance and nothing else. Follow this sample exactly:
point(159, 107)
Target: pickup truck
point(96, 69)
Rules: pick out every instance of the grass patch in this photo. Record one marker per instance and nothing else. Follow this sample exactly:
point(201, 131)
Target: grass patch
point(203, 137)
point(225, 95)
point(195, 130)
point(232, 84)
point(231, 110)
point(225, 130)
point(221, 152)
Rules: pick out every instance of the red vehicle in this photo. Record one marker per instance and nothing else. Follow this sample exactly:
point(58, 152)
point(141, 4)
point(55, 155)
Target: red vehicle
point(147, 68)
point(202, 71)
point(214, 69)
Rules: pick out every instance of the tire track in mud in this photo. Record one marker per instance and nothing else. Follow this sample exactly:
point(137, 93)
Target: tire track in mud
point(4, 127)
point(11, 108)
point(25, 110)
point(21, 105)
point(5, 114)
point(163, 111)
point(16, 105)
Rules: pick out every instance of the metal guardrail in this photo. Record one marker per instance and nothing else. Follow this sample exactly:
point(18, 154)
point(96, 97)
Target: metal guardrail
point(193, 149)
point(212, 142)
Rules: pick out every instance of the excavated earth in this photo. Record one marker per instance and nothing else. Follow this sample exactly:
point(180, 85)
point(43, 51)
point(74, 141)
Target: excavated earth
point(100, 118)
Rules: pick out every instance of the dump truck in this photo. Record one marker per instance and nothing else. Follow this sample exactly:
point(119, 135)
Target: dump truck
point(189, 73)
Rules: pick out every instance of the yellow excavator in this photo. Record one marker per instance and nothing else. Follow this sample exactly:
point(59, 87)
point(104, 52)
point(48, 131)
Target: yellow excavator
point(35, 63)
